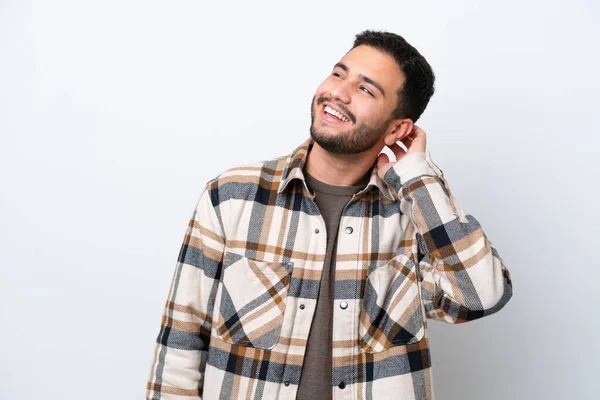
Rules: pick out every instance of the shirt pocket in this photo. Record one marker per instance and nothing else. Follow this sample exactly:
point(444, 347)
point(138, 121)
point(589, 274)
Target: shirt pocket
point(252, 301)
point(391, 313)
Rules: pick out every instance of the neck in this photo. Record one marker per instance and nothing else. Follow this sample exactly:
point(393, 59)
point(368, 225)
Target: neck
point(340, 169)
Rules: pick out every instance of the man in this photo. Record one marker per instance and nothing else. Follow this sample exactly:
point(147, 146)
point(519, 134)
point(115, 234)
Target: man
point(312, 275)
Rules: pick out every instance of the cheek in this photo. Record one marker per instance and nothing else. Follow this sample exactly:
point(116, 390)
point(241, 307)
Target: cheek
point(364, 111)
point(371, 112)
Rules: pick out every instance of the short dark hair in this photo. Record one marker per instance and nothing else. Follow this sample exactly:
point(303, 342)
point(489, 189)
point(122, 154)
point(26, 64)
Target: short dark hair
point(418, 88)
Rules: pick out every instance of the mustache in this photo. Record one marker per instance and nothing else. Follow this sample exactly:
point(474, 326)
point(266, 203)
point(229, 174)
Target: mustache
point(322, 100)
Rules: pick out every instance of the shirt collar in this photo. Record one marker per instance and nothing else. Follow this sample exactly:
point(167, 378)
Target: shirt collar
point(295, 163)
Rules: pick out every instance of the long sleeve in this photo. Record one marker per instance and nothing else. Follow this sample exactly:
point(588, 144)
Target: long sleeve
point(182, 343)
point(462, 275)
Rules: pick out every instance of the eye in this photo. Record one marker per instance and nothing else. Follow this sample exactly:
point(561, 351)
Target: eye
point(364, 89)
point(336, 74)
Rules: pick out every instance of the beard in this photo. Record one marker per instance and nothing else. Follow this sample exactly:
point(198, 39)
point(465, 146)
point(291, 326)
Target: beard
point(358, 139)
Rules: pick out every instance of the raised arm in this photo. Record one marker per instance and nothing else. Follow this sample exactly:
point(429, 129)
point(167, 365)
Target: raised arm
point(462, 275)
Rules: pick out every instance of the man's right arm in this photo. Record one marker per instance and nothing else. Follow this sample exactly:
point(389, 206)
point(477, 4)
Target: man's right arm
point(182, 343)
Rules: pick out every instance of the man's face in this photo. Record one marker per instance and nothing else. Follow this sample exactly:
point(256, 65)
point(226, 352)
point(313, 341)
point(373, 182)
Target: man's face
point(362, 87)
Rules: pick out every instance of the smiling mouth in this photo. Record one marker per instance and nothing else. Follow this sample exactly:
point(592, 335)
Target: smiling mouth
point(331, 115)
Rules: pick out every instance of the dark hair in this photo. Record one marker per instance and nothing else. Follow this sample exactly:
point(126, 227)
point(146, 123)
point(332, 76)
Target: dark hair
point(418, 88)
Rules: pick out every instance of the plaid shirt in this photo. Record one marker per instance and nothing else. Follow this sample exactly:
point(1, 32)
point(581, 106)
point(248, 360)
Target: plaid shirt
point(243, 295)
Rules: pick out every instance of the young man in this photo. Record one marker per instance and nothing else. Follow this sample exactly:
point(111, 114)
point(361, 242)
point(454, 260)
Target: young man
point(312, 275)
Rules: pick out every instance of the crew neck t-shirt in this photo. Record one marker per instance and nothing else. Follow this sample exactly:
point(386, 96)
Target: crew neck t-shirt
point(315, 379)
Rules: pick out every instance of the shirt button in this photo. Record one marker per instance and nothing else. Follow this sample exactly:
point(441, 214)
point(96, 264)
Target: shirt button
point(286, 383)
point(316, 231)
point(342, 385)
point(302, 306)
point(343, 305)
point(349, 230)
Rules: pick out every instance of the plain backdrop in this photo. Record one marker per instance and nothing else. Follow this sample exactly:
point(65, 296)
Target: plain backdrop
point(114, 115)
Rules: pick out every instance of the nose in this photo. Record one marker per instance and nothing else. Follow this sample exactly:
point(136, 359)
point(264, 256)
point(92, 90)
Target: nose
point(340, 91)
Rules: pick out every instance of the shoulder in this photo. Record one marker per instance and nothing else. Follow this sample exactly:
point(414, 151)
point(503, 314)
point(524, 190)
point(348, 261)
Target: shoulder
point(243, 181)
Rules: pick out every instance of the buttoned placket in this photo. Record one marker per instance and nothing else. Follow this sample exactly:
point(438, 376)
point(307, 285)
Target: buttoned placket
point(319, 247)
point(343, 314)
point(345, 228)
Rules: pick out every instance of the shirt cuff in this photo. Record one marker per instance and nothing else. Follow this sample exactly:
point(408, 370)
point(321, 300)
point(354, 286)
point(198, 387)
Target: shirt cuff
point(412, 165)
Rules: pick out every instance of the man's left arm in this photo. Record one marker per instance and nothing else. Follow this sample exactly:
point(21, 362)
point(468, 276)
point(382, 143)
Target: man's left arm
point(462, 275)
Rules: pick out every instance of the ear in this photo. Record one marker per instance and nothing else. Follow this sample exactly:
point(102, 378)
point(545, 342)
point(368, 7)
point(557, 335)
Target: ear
point(398, 129)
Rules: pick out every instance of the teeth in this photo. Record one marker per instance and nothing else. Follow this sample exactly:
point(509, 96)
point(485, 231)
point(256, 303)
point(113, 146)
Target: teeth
point(335, 113)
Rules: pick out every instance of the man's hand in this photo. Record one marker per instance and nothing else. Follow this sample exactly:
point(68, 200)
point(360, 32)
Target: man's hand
point(415, 141)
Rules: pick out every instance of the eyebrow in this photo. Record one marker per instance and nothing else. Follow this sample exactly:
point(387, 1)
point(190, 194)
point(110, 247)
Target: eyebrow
point(363, 77)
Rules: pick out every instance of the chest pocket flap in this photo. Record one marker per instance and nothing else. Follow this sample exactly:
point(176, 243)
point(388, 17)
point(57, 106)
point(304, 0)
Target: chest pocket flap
point(252, 302)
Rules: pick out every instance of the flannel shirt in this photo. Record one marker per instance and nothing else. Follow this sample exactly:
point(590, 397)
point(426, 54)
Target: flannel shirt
point(244, 290)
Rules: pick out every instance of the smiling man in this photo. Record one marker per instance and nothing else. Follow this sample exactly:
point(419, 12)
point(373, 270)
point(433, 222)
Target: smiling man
point(312, 275)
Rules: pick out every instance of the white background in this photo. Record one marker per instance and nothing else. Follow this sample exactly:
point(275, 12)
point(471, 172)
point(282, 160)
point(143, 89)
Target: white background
point(114, 114)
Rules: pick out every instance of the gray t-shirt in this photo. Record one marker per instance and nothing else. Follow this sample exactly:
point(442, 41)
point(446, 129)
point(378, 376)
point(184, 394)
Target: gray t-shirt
point(315, 379)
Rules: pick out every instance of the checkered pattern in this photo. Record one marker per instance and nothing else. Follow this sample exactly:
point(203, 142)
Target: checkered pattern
point(243, 295)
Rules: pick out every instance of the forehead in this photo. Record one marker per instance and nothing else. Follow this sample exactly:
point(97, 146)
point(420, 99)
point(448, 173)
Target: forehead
point(376, 65)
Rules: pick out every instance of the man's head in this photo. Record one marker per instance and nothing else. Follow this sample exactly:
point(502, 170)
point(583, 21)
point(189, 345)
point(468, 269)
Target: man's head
point(381, 87)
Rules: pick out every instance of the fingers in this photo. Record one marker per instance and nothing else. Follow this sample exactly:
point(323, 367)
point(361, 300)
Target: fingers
point(398, 151)
point(417, 131)
point(407, 140)
point(418, 134)
point(382, 159)
point(414, 141)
